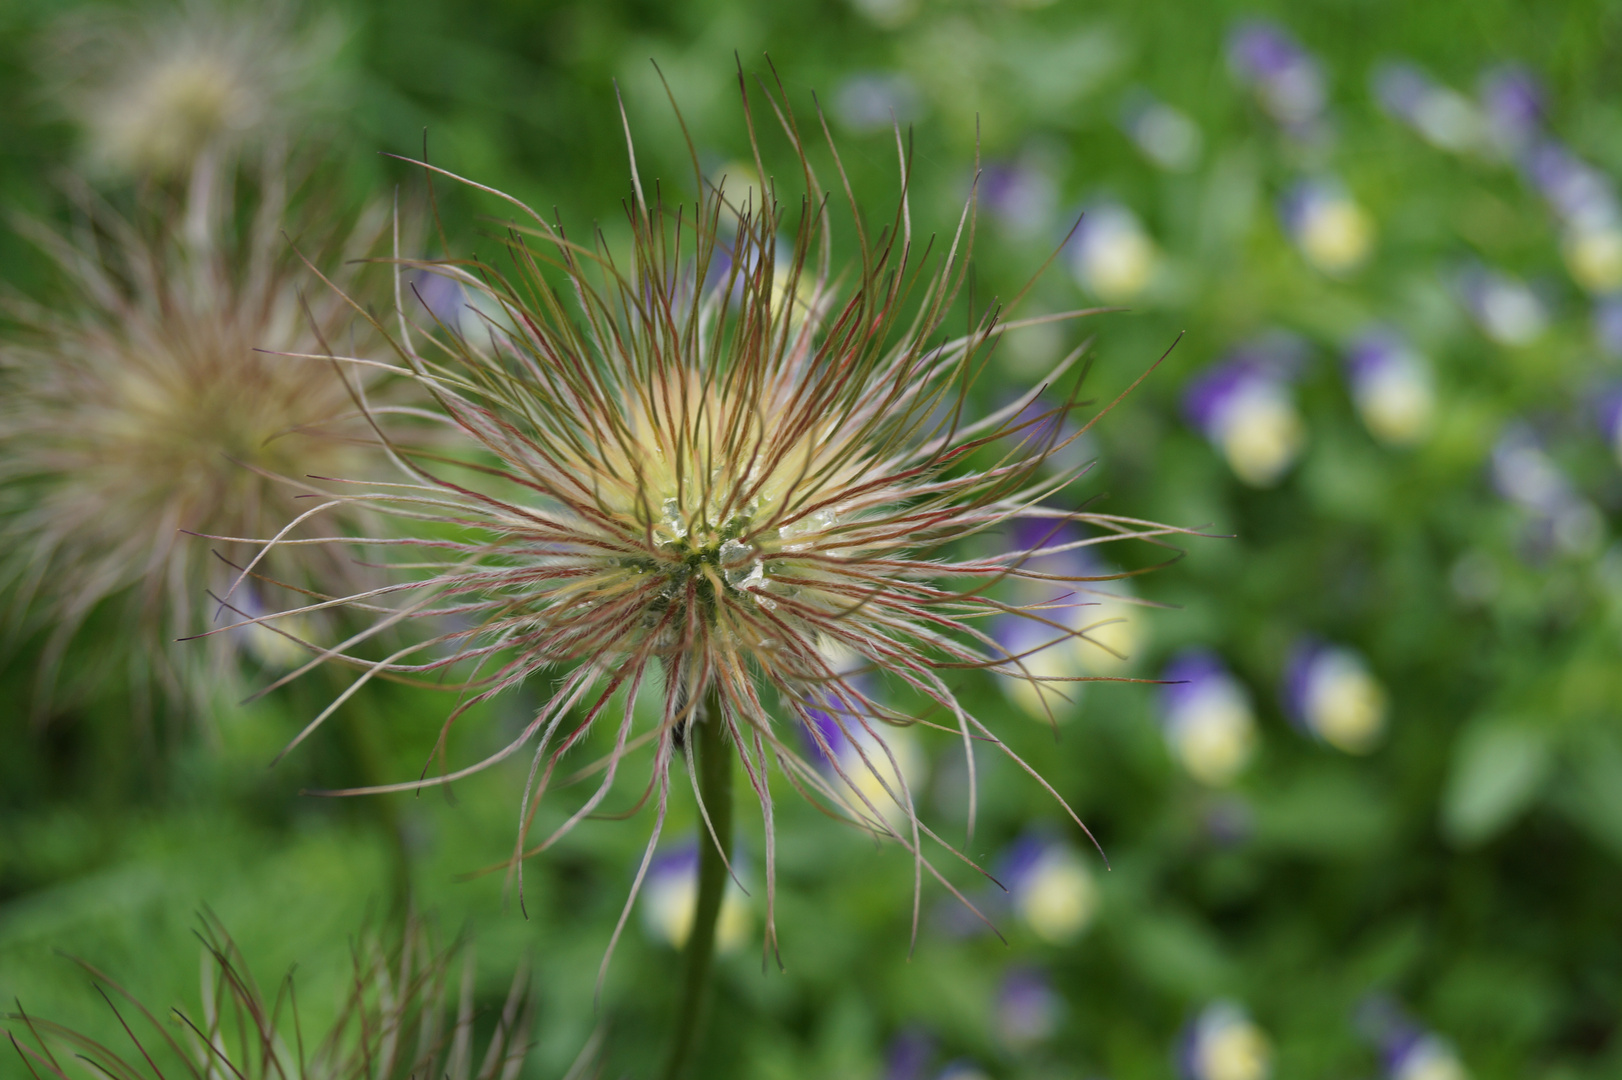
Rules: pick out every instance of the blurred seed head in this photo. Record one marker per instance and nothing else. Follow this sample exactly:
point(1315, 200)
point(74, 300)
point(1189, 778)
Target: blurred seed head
point(408, 1013)
point(143, 405)
point(156, 88)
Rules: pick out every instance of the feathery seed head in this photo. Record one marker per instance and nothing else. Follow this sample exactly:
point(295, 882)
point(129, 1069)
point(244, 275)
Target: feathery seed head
point(707, 483)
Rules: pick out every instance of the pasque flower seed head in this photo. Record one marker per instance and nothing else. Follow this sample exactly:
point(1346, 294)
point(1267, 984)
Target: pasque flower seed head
point(712, 484)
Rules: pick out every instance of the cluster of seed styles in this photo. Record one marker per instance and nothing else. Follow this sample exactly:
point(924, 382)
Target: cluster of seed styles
point(709, 469)
point(406, 1014)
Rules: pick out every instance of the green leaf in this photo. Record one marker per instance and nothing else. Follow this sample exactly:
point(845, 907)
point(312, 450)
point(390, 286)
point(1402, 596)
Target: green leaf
point(1499, 767)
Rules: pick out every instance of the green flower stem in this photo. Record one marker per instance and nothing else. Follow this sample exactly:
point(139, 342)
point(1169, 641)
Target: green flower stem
point(715, 787)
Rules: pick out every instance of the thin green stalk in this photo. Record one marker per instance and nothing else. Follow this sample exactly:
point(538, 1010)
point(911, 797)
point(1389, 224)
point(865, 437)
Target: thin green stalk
point(714, 761)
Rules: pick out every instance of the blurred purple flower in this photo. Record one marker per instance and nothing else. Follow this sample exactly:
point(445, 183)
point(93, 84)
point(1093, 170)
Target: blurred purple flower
point(1513, 104)
point(1045, 423)
point(1608, 411)
point(1164, 134)
point(1574, 189)
point(1503, 307)
point(1560, 520)
point(670, 894)
point(1223, 1043)
point(1028, 1008)
point(1244, 406)
point(1391, 386)
point(1228, 820)
point(1107, 629)
point(1207, 716)
point(1585, 201)
point(1111, 255)
point(870, 102)
point(962, 1069)
point(1330, 694)
point(1287, 81)
point(1407, 1050)
point(909, 1055)
point(1440, 115)
point(441, 297)
point(1332, 232)
point(1607, 321)
point(1020, 196)
point(1049, 886)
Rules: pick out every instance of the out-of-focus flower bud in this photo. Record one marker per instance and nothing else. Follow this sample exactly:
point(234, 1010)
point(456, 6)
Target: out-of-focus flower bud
point(1331, 231)
point(1207, 716)
point(1391, 385)
point(1330, 694)
point(1223, 1043)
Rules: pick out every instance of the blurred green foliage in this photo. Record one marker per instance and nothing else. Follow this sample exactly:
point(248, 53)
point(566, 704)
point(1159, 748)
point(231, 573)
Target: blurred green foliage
point(1468, 867)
